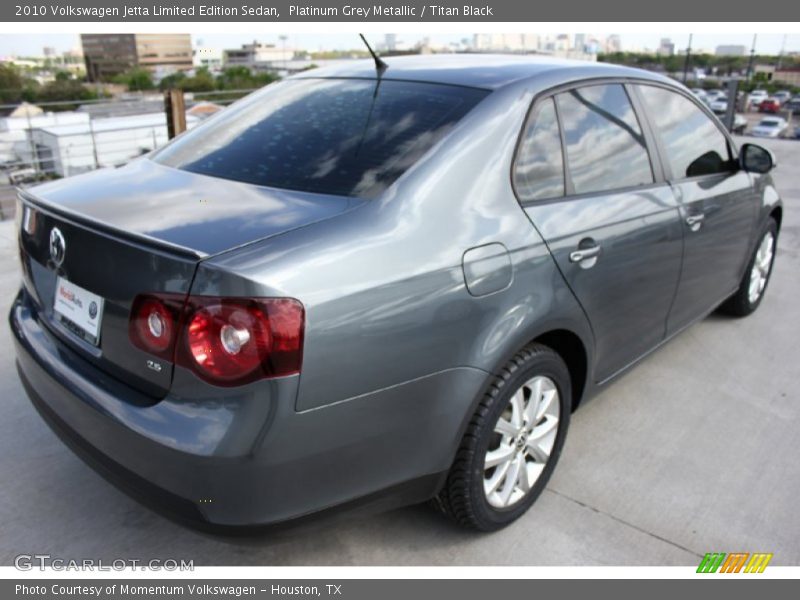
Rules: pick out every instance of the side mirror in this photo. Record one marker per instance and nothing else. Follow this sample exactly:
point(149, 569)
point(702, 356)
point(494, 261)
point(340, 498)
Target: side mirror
point(756, 159)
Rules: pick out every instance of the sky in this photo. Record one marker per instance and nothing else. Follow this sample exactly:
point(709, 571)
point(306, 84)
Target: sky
point(31, 45)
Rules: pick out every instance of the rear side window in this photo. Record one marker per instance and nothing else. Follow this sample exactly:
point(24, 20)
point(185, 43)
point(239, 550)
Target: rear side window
point(605, 146)
point(539, 169)
point(331, 136)
point(693, 143)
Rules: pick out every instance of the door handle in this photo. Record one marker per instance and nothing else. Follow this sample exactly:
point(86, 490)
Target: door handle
point(583, 254)
point(695, 221)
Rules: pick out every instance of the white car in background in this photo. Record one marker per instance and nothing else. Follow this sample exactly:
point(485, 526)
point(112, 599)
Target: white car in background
point(756, 96)
point(719, 105)
point(770, 127)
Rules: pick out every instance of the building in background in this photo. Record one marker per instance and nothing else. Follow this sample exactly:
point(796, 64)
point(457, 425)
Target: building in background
point(789, 76)
point(666, 47)
point(731, 50)
point(66, 150)
point(107, 55)
point(258, 56)
point(208, 58)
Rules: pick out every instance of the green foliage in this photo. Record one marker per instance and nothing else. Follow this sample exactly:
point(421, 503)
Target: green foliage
point(240, 78)
point(137, 80)
point(62, 90)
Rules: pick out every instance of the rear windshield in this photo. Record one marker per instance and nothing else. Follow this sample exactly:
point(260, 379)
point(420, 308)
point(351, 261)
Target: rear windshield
point(333, 136)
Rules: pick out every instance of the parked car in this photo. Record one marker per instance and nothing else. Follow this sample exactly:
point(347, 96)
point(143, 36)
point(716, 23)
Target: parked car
point(770, 105)
point(771, 127)
point(719, 105)
point(700, 94)
point(782, 96)
point(739, 124)
point(327, 294)
point(793, 104)
point(22, 176)
point(712, 95)
point(756, 97)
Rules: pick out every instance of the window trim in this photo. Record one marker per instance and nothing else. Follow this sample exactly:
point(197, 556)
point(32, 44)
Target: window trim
point(733, 150)
point(656, 163)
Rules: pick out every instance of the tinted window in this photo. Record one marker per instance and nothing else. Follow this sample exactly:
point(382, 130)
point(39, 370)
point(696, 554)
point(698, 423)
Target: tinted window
point(331, 136)
point(539, 170)
point(693, 143)
point(605, 145)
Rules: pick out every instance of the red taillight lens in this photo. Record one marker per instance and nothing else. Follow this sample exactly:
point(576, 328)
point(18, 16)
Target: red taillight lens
point(226, 341)
point(153, 324)
point(234, 341)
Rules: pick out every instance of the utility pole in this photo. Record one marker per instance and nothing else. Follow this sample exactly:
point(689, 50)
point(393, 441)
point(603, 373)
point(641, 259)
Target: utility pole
point(780, 56)
point(283, 39)
point(688, 56)
point(752, 58)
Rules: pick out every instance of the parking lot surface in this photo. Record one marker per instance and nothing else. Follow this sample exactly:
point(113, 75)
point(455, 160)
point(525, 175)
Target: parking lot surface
point(694, 450)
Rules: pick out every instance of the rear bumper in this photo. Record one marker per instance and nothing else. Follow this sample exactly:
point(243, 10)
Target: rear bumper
point(244, 457)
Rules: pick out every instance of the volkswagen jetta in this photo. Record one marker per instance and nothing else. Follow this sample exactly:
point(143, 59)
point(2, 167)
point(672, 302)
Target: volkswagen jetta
point(362, 284)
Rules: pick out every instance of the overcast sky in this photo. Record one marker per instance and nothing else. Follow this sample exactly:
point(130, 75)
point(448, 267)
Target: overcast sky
point(31, 45)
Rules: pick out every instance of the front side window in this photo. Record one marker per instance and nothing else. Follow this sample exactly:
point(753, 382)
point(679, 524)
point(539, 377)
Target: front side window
point(539, 169)
point(605, 146)
point(348, 137)
point(692, 141)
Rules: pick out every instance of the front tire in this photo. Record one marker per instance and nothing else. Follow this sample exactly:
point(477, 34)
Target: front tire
point(756, 276)
point(512, 442)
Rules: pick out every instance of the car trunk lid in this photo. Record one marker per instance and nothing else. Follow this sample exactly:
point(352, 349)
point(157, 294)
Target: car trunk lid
point(137, 230)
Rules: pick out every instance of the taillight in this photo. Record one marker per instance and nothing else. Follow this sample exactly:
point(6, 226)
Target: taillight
point(226, 341)
point(153, 324)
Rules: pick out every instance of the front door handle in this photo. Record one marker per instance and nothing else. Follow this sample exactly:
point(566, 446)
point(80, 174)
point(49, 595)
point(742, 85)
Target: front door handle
point(584, 254)
point(695, 221)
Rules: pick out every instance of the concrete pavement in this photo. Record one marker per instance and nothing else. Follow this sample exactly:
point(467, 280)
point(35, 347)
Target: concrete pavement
point(694, 450)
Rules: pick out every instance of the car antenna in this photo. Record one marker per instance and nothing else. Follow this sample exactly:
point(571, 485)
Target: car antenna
point(380, 66)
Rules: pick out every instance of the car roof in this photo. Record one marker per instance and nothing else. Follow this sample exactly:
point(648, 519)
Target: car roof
point(489, 71)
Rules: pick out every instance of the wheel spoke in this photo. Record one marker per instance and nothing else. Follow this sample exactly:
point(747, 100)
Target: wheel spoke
point(505, 428)
point(517, 408)
point(532, 409)
point(524, 477)
point(547, 402)
point(498, 456)
point(511, 481)
point(490, 485)
point(541, 430)
point(539, 454)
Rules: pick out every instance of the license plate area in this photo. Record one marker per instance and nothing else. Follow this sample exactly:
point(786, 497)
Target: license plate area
point(78, 310)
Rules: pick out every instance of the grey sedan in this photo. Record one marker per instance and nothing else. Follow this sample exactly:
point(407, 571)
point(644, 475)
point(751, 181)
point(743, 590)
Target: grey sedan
point(387, 285)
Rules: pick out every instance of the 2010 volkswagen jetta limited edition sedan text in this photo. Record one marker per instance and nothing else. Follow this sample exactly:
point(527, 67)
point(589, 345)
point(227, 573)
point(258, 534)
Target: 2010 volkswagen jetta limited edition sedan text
point(387, 285)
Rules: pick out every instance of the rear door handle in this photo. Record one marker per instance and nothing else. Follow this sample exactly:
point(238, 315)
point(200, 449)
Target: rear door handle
point(695, 221)
point(577, 256)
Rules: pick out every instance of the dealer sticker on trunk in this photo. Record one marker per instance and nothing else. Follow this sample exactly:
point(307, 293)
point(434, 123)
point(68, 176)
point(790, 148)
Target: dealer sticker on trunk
point(80, 310)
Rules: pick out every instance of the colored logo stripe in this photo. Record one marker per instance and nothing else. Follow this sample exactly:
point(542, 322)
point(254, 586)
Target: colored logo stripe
point(734, 562)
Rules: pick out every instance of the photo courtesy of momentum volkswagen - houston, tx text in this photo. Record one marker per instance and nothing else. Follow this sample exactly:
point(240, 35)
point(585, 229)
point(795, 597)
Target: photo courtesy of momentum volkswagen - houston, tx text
point(330, 274)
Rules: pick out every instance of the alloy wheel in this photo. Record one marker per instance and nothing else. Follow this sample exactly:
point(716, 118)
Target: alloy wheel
point(523, 440)
point(761, 266)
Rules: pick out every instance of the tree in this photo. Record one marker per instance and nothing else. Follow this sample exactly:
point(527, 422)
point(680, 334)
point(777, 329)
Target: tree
point(64, 90)
point(136, 79)
point(11, 84)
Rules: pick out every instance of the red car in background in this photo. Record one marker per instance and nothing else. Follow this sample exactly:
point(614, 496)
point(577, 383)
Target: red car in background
point(770, 105)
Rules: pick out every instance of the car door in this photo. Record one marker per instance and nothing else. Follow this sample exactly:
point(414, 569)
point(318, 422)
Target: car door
point(589, 184)
point(717, 202)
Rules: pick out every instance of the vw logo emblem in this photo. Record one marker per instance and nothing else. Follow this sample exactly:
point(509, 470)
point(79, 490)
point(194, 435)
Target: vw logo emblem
point(58, 247)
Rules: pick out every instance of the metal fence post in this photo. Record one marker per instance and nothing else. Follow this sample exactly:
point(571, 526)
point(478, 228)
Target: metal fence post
point(176, 112)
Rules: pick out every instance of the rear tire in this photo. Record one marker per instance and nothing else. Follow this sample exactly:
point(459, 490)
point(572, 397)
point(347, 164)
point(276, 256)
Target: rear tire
point(512, 442)
point(756, 276)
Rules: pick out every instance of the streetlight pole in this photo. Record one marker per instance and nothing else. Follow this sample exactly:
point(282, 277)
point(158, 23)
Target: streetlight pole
point(752, 57)
point(686, 62)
